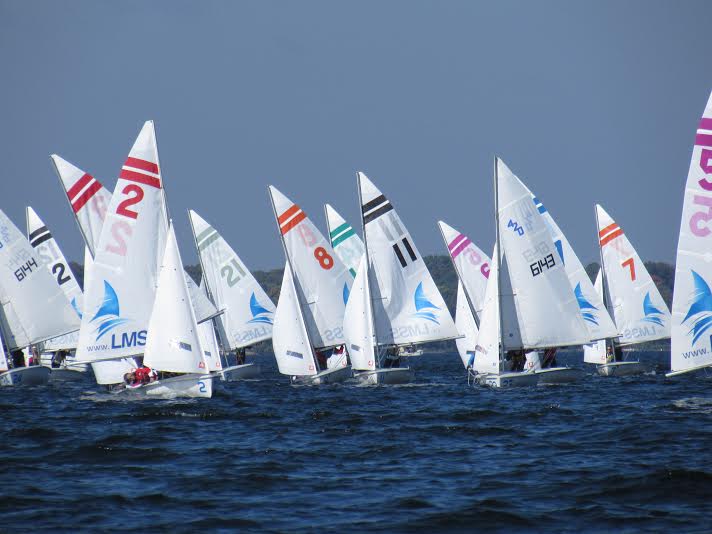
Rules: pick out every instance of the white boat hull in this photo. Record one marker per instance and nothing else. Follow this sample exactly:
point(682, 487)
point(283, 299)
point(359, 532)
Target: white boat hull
point(622, 369)
point(240, 372)
point(507, 380)
point(395, 375)
point(26, 376)
point(412, 354)
point(330, 376)
point(187, 386)
point(559, 375)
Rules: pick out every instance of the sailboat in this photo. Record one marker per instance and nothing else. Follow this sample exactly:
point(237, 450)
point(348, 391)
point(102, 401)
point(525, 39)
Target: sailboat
point(640, 312)
point(49, 252)
point(173, 342)
point(33, 307)
point(393, 301)
point(472, 267)
point(691, 344)
point(529, 302)
point(248, 311)
point(309, 318)
point(344, 240)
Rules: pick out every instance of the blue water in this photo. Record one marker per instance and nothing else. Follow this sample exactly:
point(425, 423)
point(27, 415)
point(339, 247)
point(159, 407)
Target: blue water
point(607, 454)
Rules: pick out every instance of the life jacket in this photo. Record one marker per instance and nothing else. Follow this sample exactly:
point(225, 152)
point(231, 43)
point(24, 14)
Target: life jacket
point(142, 375)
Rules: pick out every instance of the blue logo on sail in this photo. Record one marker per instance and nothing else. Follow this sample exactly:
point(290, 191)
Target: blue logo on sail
point(260, 314)
point(652, 314)
point(587, 309)
point(423, 306)
point(76, 307)
point(345, 293)
point(700, 312)
point(108, 314)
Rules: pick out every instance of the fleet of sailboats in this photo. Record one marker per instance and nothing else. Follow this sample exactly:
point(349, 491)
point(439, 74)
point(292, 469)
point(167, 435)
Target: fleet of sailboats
point(350, 307)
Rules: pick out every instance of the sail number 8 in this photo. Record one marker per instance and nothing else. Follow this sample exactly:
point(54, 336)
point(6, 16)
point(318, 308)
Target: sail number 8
point(322, 256)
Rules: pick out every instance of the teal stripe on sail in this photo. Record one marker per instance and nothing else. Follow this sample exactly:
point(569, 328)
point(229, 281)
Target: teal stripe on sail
point(338, 230)
point(353, 273)
point(205, 240)
point(343, 236)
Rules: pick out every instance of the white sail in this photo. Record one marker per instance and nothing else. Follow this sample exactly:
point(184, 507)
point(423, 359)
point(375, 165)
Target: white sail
point(691, 345)
point(639, 310)
point(173, 343)
point(473, 265)
point(358, 322)
point(49, 252)
point(466, 325)
point(88, 199)
point(487, 350)
point(290, 342)
point(407, 304)
point(34, 307)
point(547, 309)
point(597, 319)
point(596, 352)
point(346, 243)
point(323, 280)
point(248, 311)
point(208, 338)
point(121, 288)
point(202, 305)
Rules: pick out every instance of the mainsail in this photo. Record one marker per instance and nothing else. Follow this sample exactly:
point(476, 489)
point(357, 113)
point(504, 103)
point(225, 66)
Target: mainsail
point(346, 242)
point(691, 344)
point(358, 322)
point(596, 352)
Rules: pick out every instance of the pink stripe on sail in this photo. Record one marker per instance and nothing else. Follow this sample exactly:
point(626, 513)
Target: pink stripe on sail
point(456, 241)
point(703, 140)
point(462, 246)
point(705, 124)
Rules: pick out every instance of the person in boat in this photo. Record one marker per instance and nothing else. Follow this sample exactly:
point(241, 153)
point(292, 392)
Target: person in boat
point(18, 358)
point(549, 358)
point(321, 359)
point(144, 375)
point(240, 355)
point(130, 378)
point(58, 359)
point(392, 358)
point(610, 357)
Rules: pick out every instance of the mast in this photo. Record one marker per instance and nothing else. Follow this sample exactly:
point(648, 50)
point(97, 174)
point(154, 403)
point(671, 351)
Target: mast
point(499, 262)
point(297, 291)
point(604, 294)
point(368, 267)
point(328, 226)
point(459, 277)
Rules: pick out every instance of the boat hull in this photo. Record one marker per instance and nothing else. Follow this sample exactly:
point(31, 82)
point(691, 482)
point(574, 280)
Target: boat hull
point(412, 354)
point(190, 386)
point(64, 374)
point(622, 369)
point(26, 376)
point(559, 375)
point(395, 375)
point(330, 376)
point(240, 372)
point(507, 380)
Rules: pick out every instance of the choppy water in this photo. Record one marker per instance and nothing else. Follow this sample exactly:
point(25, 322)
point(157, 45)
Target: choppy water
point(619, 454)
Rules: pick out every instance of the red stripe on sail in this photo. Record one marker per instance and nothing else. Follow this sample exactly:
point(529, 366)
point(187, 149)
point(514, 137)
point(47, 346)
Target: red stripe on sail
point(294, 222)
point(141, 164)
point(703, 140)
point(79, 185)
point(287, 214)
point(462, 246)
point(86, 196)
point(456, 241)
point(140, 178)
point(705, 124)
point(611, 237)
point(607, 229)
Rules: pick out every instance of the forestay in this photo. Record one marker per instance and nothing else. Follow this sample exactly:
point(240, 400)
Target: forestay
point(248, 311)
point(319, 274)
point(639, 310)
point(407, 305)
point(692, 301)
point(345, 241)
point(596, 352)
point(547, 310)
point(596, 317)
point(290, 341)
point(358, 322)
point(34, 307)
point(120, 291)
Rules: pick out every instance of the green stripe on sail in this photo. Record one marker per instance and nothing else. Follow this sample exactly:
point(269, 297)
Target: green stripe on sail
point(353, 273)
point(204, 243)
point(343, 236)
point(339, 229)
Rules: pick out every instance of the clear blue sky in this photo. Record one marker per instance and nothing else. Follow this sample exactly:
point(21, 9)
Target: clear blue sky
point(586, 101)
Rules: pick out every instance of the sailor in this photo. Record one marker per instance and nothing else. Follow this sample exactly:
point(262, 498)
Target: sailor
point(18, 358)
point(144, 375)
point(392, 358)
point(58, 358)
point(610, 357)
point(549, 358)
point(240, 355)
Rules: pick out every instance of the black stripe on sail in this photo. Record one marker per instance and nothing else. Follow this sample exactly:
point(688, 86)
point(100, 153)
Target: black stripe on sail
point(40, 230)
point(401, 259)
point(409, 249)
point(41, 239)
point(380, 199)
point(375, 214)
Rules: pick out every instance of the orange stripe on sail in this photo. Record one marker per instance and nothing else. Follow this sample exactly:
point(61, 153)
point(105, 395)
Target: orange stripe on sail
point(287, 214)
point(607, 229)
point(292, 223)
point(610, 237)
